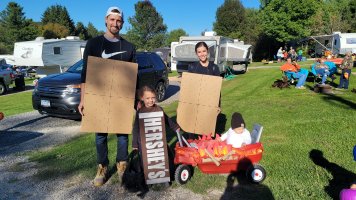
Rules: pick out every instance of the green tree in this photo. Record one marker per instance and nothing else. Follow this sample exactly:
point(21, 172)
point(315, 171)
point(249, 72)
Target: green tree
point(81, 31)
point(174, 35)
point(92, 31)
point(148, 30)
point(252, 28)
point(54, 30)
point(288, 20)
point(264, 3)
point(14, 27)
point(352, 15)
point(333, 15)
point(58, 14)
point(230, 19)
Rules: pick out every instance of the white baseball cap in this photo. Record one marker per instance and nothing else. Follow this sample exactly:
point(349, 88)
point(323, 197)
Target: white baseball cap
point(110, 12)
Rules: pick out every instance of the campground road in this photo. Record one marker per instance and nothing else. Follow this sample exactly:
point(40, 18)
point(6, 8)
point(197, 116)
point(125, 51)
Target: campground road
point(24, 133)
point(33, 131)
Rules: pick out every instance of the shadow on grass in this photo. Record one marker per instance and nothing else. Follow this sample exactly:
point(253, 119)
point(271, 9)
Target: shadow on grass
point(331, 98)
point(342, 178)
point(77, 156)
point(244, 188)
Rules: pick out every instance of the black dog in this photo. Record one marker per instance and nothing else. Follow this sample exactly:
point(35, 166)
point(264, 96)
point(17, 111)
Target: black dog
point(133, 178)
point(281, 83)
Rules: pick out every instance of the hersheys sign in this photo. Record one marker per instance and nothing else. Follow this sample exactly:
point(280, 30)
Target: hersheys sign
point(154, 147)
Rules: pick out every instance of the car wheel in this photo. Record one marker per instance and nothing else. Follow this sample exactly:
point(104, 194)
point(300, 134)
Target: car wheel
point(2, 88)
point(182, 174)
point(160, 91)
point(256, 173)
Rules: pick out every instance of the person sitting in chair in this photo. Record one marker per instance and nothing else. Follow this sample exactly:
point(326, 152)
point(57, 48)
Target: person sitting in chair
point(296, 71)
point(322, 70)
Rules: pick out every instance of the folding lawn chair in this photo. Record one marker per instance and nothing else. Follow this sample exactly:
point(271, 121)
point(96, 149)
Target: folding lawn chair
point(228, 73)
point(332, 70)
point(256, 133)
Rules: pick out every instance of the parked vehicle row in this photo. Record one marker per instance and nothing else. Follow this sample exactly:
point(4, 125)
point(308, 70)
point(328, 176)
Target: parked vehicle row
point(6, 78)
point(59, 94)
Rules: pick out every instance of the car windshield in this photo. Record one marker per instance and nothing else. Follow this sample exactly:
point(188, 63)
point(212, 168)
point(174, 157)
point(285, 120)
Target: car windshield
point(76, 68)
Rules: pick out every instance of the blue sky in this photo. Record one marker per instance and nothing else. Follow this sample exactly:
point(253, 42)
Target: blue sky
point(193, 16)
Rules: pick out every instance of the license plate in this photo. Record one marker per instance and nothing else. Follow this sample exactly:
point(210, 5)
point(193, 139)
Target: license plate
point(45, 103)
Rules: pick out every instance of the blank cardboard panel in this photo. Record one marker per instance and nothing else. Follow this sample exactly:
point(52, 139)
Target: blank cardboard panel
point(198, 102)
point(120, 115)
point(186, 116)
point(206, 120)
point(124, 79)
point(99, 76)
point(190, 87)
point(109, 96)
point(210, 87)
point(95, 118)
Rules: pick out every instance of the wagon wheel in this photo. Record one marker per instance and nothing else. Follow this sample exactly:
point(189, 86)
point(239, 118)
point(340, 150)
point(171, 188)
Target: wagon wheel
point(182, 174)
point(256, 173)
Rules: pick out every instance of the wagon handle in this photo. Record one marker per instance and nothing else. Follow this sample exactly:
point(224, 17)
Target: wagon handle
point(179, 138)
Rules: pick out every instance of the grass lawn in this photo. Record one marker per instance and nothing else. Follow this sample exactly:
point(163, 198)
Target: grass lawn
point(173, 73)
point(305, 64)
point(16, 103)
point(296, 123)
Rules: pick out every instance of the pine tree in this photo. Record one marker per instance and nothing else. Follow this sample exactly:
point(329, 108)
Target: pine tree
point(92, 31)
point(230, 19)
point(148, 30)
point(81, 31)
point(15, 27)
point(58, 14)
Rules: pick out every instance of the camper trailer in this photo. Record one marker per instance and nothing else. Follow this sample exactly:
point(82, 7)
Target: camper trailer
point(50, 55)
point(224, 52)
point(337, 43)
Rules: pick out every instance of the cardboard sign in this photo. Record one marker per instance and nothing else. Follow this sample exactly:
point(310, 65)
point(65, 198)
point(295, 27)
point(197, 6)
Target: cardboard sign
point(154, 147)
point(109, 96)
point(198, 103)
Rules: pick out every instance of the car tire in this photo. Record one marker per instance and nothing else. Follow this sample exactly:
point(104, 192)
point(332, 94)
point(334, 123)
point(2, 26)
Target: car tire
point(256, 173)
point(160, 91)
point(182, 174)
point(3, 88)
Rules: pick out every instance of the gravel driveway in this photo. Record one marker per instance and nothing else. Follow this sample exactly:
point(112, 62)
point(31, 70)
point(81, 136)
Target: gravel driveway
point(32, 132)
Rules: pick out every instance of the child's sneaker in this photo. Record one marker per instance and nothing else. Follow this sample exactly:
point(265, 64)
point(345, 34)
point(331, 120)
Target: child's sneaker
point(101, 175)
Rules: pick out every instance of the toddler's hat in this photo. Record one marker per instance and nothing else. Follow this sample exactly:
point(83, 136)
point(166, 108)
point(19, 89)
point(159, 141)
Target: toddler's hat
point(237, 121)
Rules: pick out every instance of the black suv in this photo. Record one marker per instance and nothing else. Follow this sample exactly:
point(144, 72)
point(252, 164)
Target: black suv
point(59, 94)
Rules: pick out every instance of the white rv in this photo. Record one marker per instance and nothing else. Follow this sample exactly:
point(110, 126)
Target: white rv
point(337, 43)
point(50, 55)
point(224, 52)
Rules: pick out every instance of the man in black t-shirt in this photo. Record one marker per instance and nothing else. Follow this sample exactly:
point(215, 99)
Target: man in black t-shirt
point(110, 46)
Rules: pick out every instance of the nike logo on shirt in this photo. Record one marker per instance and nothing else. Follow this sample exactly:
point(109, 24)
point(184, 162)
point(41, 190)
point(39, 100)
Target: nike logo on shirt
point(104, 55)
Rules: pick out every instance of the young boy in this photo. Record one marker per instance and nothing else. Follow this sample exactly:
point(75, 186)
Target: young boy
point(237, 135)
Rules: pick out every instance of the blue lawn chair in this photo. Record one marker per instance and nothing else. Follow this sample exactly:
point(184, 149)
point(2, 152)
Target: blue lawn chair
point(331, 66)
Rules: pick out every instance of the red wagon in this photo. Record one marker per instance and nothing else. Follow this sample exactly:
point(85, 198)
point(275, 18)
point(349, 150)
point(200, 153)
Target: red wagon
point(213, 157)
